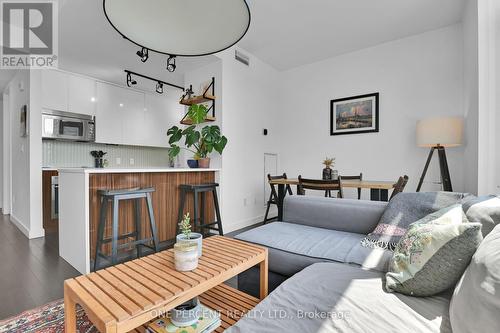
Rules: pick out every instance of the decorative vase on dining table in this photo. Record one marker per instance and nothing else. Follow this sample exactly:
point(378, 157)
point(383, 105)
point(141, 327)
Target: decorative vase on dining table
point(327, 173)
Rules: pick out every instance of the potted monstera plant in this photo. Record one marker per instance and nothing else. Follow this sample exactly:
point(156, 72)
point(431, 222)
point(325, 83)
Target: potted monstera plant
point(199, 142)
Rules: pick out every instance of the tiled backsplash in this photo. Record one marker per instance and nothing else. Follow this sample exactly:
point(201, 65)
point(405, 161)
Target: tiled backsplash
point(77, 154)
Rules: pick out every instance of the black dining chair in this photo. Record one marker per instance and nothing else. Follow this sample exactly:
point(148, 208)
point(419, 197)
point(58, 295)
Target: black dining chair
point(273, 196)
point(360, 178)
point(326, 185)
point(400, 186)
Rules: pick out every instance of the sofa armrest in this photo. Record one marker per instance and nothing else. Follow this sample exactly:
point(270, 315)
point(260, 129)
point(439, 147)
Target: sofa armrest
point(357, 216)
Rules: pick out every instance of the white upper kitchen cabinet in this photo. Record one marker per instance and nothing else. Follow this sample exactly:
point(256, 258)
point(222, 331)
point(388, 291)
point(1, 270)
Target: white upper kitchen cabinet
point(108, 118)
point(132, 114)
point(161, 113)
point(54, 90)
point(81, 95)
point(119, 115)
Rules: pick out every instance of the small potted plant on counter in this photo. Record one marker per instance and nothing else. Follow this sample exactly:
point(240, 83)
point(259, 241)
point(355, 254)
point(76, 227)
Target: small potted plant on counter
point(98, 158)
point(187, 235)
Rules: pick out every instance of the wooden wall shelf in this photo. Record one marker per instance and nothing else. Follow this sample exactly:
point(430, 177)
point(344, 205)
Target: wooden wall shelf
point(207, 96)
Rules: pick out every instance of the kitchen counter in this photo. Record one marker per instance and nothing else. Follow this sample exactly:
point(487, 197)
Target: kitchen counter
point(80, 205)
point(132, 170)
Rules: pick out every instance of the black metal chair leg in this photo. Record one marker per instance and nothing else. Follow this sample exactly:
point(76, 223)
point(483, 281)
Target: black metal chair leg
point(267, 212)
point(152, 221)
point(138, 222)
point(217, 212)
point(114, 237)
point(195, 219)
point(100, 231)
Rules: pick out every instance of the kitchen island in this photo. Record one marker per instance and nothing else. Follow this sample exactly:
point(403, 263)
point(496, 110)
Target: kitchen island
point(79, 206)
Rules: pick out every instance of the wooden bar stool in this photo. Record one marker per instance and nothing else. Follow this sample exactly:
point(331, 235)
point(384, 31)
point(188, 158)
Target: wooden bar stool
point(115, 196)
point(199, 222)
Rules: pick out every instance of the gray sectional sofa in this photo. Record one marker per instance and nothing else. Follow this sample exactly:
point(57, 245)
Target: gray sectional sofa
point(325, 281)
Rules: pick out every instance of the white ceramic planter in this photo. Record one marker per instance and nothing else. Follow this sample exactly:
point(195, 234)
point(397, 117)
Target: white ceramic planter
point(195, 237)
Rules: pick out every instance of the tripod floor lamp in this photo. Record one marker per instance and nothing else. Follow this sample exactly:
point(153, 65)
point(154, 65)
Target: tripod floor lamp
point(438, 134)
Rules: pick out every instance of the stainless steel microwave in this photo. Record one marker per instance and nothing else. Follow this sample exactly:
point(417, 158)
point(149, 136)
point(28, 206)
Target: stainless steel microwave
point(68, 126)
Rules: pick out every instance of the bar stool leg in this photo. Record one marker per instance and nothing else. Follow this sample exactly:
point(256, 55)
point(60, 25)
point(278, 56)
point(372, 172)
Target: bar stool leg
point(196, 221)
point(181, 211)
point(202, 213)
point(217, 212)
point(114, 239)
point(137, 210)
point(100, 231)
point(152, 222)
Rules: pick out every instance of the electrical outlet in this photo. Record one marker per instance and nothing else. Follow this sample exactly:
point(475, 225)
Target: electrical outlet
point(118, 161)
point(132, 161)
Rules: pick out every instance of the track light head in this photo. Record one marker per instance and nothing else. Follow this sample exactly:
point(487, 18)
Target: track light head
point(171, 64)
point(143, 54)
point(130, 82)
point(159, 87)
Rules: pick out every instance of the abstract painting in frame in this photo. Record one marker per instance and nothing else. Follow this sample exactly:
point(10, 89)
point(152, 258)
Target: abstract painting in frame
point(354, 115)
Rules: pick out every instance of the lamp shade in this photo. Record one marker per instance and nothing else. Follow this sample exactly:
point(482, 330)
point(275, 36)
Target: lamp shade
point(180, 27)
point(440, 131)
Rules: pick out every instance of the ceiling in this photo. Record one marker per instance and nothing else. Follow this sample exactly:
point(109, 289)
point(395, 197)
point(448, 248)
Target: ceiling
point(89, 45)
point(283, 33)
point(291, 33)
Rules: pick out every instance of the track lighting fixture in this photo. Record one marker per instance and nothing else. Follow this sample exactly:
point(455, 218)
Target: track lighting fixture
point(171, 64)
point(143, 54)
point(159, 87)
point(130, 82)
point(159, 83)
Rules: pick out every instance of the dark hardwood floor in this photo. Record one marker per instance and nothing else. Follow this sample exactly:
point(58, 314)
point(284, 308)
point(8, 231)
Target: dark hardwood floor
point(31, 271)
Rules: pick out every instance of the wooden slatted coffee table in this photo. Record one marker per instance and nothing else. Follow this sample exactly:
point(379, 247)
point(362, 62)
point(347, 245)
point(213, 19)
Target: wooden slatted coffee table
point(125, 297)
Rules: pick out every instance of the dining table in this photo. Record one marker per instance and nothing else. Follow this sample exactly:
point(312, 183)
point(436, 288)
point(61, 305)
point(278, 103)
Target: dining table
point(379, 190)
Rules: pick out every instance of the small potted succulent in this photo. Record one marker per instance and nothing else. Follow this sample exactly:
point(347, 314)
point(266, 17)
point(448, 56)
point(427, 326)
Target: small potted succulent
point(98, 158)
point(187, 235)
point(329, 162)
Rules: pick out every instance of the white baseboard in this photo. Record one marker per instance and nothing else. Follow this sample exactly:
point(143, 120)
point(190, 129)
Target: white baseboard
point(246, 223)
point(26, 231)
point(20, 225)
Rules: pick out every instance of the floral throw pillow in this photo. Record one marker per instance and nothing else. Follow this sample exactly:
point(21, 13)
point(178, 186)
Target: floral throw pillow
point(432, 255)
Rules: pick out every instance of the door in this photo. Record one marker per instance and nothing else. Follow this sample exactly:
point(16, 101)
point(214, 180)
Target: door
point(270, 168)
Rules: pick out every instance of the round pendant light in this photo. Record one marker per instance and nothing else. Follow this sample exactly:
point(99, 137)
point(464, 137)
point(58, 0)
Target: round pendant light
point(180, 27)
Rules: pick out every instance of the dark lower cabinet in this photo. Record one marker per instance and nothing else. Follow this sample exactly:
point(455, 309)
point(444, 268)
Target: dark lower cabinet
point(49, 201)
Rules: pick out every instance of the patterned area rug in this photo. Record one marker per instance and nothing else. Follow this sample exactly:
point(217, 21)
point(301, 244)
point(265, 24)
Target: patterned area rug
point(48, 318)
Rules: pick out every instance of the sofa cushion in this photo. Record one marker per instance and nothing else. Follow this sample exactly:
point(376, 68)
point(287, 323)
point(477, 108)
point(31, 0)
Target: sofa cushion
point(358, 216)
point(334, 297)
point(483, 209)
point(475, 306)
point(293, 247)
point(434, 253)
point(404, 209)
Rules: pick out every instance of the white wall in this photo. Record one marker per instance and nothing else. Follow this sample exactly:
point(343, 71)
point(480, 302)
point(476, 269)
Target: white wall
point(6, 163)
point(1, 153)
point(471, 95)
point(417, 77)
point(488, 85)
point(249, 104)
point(20, 182)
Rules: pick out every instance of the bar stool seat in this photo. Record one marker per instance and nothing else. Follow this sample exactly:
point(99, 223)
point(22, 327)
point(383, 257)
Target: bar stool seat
point(199, 217)
point(115, 196)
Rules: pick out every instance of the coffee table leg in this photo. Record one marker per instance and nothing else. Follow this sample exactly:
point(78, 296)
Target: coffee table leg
point(69, 313)
point(263, 278)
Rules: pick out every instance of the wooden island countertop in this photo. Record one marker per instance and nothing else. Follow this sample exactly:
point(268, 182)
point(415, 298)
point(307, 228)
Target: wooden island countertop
point(79, 205)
